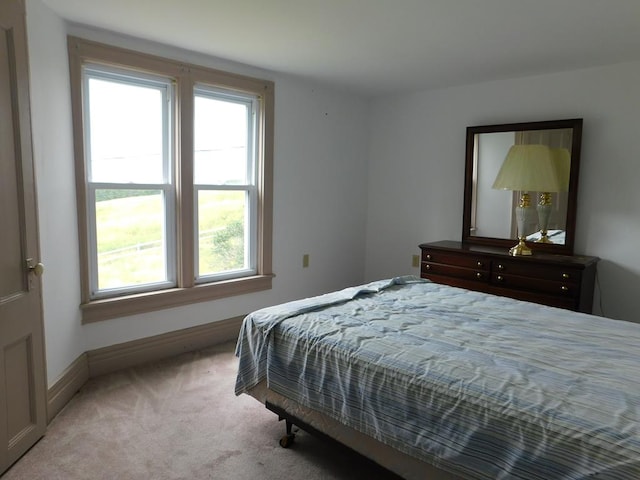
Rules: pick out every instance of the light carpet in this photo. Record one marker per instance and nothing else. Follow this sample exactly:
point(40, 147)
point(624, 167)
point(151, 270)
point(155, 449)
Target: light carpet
point(179, 419)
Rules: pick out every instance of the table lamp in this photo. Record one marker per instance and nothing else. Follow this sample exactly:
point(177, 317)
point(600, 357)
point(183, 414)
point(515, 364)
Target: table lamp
point(527, 168)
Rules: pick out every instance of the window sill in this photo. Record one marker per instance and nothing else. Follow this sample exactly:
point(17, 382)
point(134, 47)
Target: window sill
point(105, 309)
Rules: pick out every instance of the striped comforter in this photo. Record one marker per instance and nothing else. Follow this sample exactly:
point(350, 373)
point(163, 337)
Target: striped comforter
point(482, 386)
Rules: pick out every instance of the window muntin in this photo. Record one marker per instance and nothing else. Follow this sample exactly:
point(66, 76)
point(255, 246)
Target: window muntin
point(129, 182)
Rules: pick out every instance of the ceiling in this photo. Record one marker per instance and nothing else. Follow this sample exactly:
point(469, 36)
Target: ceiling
point(379, 47)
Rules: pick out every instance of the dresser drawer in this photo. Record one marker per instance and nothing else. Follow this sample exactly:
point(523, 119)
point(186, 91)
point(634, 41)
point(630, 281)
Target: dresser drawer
point(556, 280)
point(467, 261)
point(429, 268)
point(556, 273)
point(562, 289)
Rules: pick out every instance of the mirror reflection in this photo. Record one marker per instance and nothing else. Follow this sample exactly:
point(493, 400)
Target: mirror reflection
point(521, 185)
point(495, 214)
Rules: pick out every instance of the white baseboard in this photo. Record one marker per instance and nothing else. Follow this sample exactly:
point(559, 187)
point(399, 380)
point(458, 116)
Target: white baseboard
point(67, 385)
point(124, 355)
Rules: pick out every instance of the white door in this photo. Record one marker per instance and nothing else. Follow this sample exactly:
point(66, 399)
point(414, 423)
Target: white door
point(22, 364)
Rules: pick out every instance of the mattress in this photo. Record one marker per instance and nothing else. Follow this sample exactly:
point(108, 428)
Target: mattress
point(481, 386)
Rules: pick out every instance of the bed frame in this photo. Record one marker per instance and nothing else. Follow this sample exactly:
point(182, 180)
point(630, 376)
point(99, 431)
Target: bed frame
point(320, 425)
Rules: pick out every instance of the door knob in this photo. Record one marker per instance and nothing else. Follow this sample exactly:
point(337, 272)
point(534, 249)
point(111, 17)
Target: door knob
point(37, 269)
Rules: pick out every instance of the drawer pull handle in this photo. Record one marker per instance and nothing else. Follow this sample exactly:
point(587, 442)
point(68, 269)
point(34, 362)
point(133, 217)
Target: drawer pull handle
point(478, 275)
point(428, 256)
point(500, 266)
point(479, 263)
point(427, 267)
point(500, 278)
point(564, 288)
point(566, 276)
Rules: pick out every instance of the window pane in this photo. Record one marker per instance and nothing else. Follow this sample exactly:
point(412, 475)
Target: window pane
point(221, 231)
point(126, 132)
point(130, 237)
point(220, 141)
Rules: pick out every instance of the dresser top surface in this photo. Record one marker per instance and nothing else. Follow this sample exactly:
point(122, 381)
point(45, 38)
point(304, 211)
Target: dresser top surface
point(578, 260)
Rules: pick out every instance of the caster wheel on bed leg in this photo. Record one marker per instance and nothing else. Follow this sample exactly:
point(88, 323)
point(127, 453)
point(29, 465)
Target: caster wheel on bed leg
point(287, 440)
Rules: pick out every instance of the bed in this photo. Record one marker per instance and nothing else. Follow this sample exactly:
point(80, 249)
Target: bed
point(433, 381)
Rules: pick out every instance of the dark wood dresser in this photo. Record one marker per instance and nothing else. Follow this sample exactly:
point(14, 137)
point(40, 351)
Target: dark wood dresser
point(565, 281)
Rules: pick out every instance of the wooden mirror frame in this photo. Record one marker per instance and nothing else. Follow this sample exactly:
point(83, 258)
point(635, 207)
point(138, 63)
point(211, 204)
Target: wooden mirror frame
point(572, 194)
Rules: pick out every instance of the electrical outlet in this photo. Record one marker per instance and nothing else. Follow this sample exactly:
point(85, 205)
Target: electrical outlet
point(305, 260)
point(415, 261)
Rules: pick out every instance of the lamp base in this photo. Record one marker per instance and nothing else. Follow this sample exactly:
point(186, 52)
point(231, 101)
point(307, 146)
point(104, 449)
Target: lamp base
point(543, 237)
point(520, 249)
point(522, 212)
point(544, 212)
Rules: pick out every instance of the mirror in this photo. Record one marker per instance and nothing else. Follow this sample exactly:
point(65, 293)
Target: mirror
point(489, 216)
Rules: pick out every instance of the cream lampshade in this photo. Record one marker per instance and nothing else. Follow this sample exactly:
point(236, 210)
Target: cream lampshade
point(562, 162)
point(527, 168)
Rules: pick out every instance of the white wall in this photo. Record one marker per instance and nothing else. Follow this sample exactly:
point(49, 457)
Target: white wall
point(52, 150)
point(416, 171)
point(319, 195)
point(494, 207)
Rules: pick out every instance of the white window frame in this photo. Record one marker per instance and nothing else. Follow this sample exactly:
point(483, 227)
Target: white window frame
point(249, 188)
point(167, 187)
point(183, 284)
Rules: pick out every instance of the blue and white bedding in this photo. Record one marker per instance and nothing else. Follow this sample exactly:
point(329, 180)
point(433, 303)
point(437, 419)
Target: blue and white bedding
point(482, 386)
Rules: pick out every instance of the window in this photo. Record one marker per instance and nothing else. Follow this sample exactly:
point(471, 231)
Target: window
point(224, 183)
point(129, 181)
point(174, 174)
